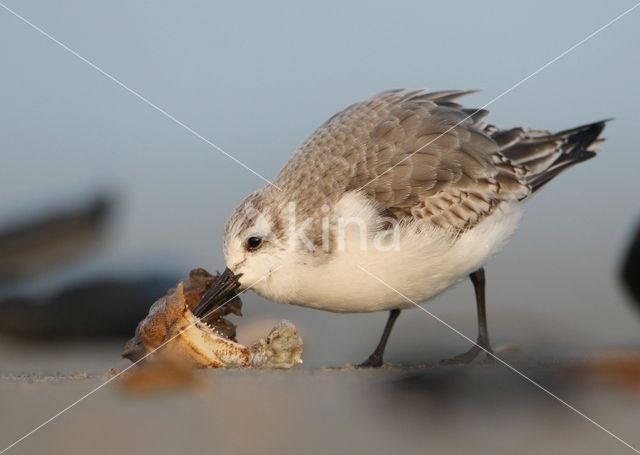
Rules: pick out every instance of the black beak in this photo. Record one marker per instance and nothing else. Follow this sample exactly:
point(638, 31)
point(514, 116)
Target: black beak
point(222, 291)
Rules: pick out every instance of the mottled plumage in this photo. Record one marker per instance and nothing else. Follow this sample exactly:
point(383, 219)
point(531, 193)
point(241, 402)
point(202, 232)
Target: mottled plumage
point(397, 149)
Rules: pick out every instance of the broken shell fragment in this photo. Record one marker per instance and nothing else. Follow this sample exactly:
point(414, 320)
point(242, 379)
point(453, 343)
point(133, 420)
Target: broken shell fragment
point(172, 332)
point(281, 349)
point(193, 341)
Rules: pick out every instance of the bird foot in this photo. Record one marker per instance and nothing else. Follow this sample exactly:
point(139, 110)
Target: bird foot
point(476, 353)
point(374, 361)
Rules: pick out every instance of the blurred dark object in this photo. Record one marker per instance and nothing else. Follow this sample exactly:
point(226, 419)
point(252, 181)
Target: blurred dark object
point(631, 268)
point(92, 310)
point(41, 244)
point(476, 386)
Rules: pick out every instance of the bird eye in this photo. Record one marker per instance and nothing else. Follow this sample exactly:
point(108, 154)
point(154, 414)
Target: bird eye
point(253, 243)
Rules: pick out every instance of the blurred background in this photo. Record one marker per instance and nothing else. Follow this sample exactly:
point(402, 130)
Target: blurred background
point(105, 203)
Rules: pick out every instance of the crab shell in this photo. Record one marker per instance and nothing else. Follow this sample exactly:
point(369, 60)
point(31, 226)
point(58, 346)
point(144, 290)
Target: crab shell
point(152, 331)
point(172, 333)
point(199, 344)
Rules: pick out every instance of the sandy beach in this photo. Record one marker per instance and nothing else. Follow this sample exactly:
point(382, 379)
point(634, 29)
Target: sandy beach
point(485, 408)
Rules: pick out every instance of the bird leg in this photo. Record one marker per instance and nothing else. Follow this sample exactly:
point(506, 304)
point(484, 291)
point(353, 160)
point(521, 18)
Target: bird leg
point(483, 345)
point(375, 360)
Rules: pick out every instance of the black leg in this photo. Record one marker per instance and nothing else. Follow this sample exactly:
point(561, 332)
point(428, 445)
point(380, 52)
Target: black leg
point(376, 359)
point(478, 280)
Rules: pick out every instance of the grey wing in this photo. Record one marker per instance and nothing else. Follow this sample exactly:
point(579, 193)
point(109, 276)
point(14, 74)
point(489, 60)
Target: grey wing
point(423, 156)
point(431, 159)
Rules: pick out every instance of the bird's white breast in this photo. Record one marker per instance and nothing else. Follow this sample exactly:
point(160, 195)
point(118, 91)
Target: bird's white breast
point(424, 263)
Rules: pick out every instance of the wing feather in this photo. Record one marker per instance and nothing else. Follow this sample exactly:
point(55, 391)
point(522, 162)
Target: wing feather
point(421, 155)
point(435, 163)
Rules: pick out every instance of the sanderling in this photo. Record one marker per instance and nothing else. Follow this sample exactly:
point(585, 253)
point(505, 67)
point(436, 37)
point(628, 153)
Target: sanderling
point(409, 186)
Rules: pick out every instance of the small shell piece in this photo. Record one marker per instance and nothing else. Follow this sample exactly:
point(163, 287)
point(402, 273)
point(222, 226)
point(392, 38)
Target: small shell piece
point(281, 349)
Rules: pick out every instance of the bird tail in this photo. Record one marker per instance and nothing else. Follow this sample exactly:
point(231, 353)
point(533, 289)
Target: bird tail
point(545, 155)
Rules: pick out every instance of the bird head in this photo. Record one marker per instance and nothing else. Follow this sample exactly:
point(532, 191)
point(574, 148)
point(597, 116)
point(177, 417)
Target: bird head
point(255, 242)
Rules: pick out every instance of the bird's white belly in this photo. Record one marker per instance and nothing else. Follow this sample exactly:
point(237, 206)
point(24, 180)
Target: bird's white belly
point(424, 264)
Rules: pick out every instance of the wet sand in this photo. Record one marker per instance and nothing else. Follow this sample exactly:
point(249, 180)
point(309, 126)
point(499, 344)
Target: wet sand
point(482, 408)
